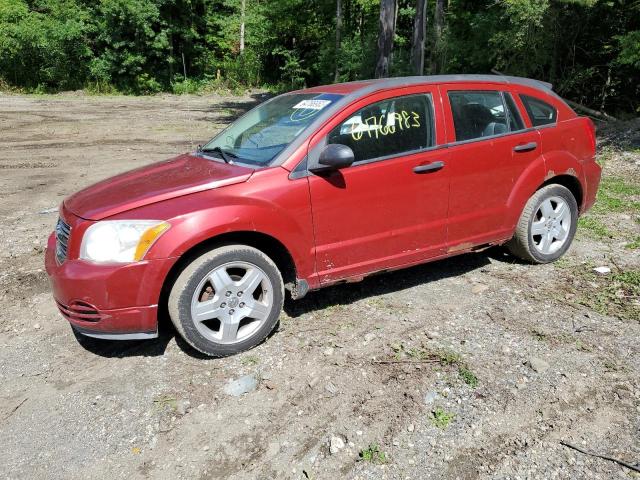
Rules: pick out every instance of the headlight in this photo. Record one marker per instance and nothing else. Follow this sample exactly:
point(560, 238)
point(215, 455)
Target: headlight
point(120, 240)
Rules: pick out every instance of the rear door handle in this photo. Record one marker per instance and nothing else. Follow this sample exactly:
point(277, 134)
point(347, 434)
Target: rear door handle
point(527, 147)
point(429, 167)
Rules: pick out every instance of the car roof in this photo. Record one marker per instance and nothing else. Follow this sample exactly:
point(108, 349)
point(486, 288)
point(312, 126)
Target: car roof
point(369, 86)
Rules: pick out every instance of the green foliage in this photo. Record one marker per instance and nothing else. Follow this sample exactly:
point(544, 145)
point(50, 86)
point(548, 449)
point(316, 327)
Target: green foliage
point(594, 227)
point(614, 295)
point(617, 195)
point(441, 418)
point(42, 49)
point(373, 454)
point(634, 244)
point(630, 49)
point(468, 376)
point(292, 68)
point(590, 49)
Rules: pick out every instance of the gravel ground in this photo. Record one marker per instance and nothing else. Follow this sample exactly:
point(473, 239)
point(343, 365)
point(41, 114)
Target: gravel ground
point(473, 367)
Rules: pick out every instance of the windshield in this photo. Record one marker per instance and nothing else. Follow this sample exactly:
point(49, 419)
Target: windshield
point(260, 135)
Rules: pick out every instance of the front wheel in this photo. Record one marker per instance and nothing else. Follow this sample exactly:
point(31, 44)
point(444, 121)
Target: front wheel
point(547, 225)
point(227, 300)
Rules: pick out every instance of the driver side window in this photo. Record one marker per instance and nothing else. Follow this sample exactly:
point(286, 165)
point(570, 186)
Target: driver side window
point(390, 127)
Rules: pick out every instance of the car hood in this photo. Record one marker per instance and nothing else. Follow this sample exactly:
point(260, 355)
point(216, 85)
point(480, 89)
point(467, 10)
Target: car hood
point(153, 183)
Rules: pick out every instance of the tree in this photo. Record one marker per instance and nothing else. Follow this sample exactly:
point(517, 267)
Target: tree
point(417, 40)
point(243, 7)
point(589, 49)
point(438, 29)
point(385, 37)
point(336, 75)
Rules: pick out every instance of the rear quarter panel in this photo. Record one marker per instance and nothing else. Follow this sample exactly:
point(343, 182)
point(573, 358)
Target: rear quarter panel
point(566, 150)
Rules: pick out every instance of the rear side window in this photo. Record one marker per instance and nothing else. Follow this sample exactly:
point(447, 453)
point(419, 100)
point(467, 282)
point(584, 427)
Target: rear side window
point(393, 126)
point(540, 113)
point(478, 114)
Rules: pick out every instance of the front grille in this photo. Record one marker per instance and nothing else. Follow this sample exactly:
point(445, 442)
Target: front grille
point(77, 310)
point(63, 230)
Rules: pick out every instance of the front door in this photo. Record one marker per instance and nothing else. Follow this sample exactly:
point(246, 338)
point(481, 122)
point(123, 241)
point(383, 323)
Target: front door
point(390, 207)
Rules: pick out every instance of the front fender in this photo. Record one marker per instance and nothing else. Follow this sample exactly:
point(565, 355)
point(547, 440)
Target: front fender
point(272, 205)
point(197, 227)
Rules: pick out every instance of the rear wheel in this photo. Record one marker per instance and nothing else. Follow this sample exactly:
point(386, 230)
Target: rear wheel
point(227, 300)
point(547, 225)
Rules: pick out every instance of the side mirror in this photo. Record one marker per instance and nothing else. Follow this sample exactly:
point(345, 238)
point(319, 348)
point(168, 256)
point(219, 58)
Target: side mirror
point(336, 156)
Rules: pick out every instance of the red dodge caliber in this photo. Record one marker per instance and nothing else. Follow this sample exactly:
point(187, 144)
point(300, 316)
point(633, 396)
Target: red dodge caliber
point(316, 187)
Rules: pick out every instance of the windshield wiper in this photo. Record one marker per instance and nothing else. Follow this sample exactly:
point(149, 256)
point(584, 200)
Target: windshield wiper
point(226, 155)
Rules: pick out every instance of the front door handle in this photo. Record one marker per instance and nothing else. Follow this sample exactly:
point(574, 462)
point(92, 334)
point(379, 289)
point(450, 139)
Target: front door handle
point(527, 147)
point(429, 167)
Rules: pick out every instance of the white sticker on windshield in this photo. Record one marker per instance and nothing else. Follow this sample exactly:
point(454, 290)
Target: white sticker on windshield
point(312, 104)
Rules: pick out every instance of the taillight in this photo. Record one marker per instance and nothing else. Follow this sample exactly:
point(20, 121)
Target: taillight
point(591, 132)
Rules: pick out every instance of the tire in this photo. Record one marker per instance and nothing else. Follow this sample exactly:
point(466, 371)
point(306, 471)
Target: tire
point(545, 230)
point(234, 285)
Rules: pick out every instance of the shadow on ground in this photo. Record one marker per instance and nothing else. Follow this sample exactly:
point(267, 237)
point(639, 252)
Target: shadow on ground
point(389, 282)
point(127, 348)
point(342, 294)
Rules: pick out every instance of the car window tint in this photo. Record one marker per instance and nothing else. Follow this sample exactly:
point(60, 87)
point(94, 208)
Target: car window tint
point(540, 113)
point(390, 127)
point(515, 120)
point(478, 114)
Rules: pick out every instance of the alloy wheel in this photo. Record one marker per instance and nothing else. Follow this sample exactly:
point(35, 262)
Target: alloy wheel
point(551, 225)
point(231, 302)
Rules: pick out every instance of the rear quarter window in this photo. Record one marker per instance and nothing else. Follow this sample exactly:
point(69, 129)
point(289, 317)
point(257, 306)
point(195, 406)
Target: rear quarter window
point(539, 111)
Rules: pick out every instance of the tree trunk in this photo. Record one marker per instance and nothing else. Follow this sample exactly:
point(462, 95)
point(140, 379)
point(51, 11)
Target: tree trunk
point(385, 37)
point(242, 13)
point(438, 28)
point(336, 75)
point(417, 41)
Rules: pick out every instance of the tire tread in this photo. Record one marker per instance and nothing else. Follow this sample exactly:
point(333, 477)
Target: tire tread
point(519, 245)
point(176, 297)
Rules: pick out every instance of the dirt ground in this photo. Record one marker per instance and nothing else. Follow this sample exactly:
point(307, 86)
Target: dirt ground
point(473, 367)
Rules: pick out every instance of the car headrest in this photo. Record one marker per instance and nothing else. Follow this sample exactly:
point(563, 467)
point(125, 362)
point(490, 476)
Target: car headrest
point(494, 128)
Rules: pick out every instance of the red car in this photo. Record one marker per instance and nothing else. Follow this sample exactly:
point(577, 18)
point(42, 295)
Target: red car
point(316, 187)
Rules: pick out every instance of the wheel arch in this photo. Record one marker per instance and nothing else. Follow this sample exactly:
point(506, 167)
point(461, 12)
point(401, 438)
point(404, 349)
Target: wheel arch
point(267, 244)
point(571, 183)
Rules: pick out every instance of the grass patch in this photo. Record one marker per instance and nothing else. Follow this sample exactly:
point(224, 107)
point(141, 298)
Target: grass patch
point(373, 454)
point(250, 360)
point(617, 295)
point(538, 335)
point(614, 195)
point(583, 347)
point(440, 418)
point(446, 358)
point(594, 227)
point(618, 186)
point(164, 403)
point(611, 366)
point(468, 376)
point(633, 244)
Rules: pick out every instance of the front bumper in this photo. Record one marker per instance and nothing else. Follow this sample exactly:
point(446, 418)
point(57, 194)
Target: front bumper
point(118, 301)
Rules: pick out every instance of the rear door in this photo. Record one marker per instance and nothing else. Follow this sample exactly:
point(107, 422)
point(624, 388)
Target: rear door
point(389, 208)
point(490, 149)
